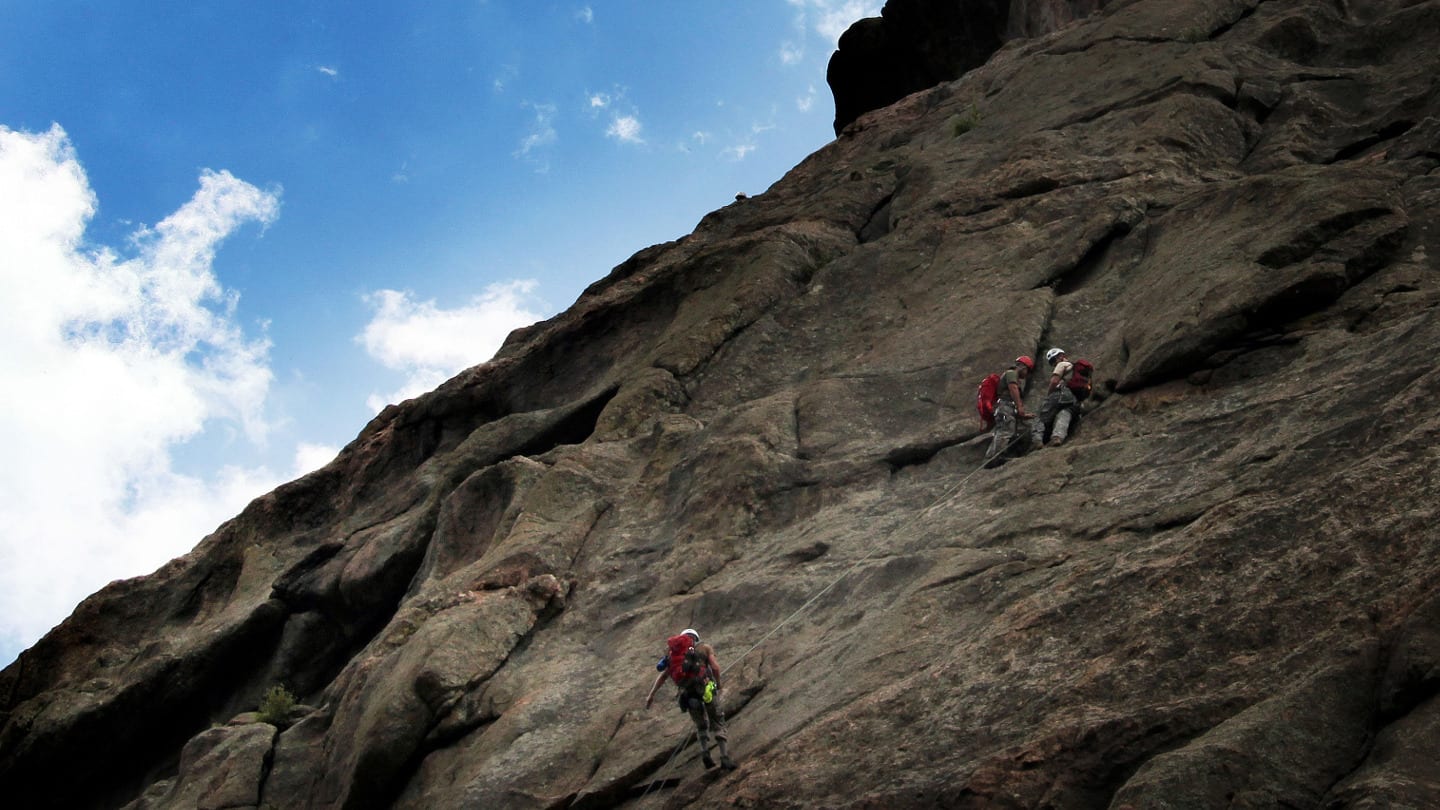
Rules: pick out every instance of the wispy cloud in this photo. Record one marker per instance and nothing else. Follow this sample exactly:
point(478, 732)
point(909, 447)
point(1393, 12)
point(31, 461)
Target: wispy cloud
point(626, 129)
point(501, 82)
point(540, 135)
point(599, 101)
point(585, 14)
point(806, 102)
point(429, 344)
point(830, 18)
point(328, 71)
point(738, 152)
point(114, 357)
point(791, 53)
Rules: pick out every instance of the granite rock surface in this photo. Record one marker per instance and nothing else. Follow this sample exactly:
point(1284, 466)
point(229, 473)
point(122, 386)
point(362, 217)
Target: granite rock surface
point(1222, 591)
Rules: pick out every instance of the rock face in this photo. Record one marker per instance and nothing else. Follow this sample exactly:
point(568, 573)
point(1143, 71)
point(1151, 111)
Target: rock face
point(916, 44)
point(1222, 591)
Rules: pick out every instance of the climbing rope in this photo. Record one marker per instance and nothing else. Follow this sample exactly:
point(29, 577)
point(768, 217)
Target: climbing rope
point(876, 547)
point(656, 781)
point(949, 493)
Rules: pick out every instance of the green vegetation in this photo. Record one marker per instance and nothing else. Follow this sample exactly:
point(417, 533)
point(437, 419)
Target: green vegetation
point(276, 705)
point(964, 122)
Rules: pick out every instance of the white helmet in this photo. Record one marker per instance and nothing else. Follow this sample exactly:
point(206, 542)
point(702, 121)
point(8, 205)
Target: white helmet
point(1052, 354)
point(691, 633)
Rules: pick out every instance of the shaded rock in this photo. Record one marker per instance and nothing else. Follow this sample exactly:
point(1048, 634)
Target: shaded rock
point(1285, 750)
point(220, 768)
point(916, 44)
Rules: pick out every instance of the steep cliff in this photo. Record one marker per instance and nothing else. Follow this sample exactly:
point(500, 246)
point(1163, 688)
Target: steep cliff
point(1222, 591)
point(916, 44)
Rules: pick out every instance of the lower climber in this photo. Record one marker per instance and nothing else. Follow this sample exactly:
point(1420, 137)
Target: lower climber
point(691, 664)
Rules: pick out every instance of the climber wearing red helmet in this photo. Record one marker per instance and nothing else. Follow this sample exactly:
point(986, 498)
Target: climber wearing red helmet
point(1010, 405)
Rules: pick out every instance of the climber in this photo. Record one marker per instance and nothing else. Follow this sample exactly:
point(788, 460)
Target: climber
point(691, 664)
point(1069, 386)
point(1009, 405)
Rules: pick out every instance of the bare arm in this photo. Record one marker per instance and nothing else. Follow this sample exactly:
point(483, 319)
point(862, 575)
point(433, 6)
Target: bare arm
point(659, 679)
point(1019, 401)
point(714, 667)
point(1054, 382)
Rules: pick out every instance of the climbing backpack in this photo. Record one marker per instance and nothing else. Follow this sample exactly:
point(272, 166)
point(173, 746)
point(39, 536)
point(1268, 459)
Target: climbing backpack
point(687, 667)
point(985, 400)
point(1079, 381)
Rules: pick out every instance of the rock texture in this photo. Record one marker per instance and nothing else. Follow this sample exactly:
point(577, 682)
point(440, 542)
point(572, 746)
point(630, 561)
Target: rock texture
point(916, 44)
point(1222, 591)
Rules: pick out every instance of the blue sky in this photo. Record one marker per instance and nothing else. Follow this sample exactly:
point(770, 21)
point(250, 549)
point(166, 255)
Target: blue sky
point(230, 231)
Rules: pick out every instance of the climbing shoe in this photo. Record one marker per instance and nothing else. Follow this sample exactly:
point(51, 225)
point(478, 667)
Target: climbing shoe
point(708, 760)
point(727, 763)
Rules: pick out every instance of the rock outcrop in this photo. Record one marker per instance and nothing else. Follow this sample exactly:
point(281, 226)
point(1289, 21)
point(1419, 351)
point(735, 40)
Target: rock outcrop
point(1222, 591)
point(916, 44)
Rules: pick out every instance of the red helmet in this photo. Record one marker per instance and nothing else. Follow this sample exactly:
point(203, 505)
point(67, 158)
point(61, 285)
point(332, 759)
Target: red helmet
point(1024, 360)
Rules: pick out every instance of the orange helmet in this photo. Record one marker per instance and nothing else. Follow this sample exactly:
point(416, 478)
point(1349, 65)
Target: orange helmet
point(1024, 360)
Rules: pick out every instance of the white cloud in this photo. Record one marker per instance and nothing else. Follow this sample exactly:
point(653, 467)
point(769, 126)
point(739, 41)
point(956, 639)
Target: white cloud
point(624, 118)
point(542, 131)
point(111, 362)
point(585, 15)
point(328, 71)
point(626, 129)
point(430, 345)
point(701, 137)
point(311, 457)
point(791, 54)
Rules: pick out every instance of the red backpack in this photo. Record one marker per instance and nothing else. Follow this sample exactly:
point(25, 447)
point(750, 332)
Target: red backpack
point(985, 400)
point(1079, 381)
point(685, 663)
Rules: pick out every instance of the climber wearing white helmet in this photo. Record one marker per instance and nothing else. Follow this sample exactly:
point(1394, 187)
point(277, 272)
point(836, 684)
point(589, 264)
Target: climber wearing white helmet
point(691, 664)
point(1062, 399)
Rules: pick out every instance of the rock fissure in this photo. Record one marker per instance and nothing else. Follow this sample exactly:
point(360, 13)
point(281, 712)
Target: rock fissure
point(914, 455)
point(878, 224)
point(1171, 87)
point(1305, 243)
point(1245, 11)
point(1388, 133)
point(1090, 264)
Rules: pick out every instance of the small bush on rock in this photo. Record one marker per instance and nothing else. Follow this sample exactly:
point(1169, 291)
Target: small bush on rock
point(276, 705)
point(963, 123)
